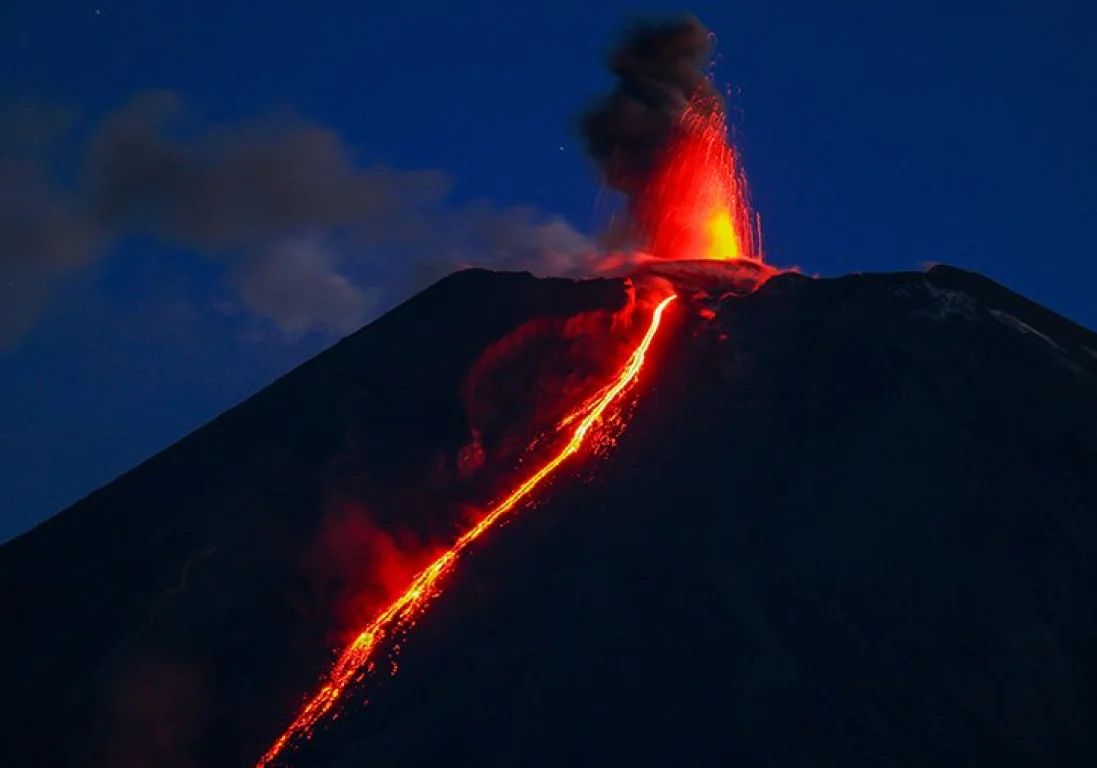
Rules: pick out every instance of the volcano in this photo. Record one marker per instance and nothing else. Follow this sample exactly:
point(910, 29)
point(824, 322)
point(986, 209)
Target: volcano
point(844, 521)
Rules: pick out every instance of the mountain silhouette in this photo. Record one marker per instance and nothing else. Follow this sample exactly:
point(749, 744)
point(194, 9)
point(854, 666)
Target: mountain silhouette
point(851, 521)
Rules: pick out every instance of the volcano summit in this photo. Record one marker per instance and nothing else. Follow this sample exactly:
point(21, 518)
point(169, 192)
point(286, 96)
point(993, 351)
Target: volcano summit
point(849, 522)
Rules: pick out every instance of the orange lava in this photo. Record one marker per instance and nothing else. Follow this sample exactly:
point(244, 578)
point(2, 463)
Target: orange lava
point(355, 661)
point(696, 205)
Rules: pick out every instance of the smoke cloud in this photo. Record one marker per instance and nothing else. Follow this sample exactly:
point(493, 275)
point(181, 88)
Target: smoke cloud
point(659, 67)
point(280, 204)
point(295, 284)
point(43, 231)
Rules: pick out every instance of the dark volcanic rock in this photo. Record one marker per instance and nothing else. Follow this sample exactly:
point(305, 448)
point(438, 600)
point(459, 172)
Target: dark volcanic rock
point(860, 530)
point(852, 522)
point(159, 621)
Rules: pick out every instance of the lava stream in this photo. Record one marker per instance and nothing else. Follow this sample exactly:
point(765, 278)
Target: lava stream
point(356, 657)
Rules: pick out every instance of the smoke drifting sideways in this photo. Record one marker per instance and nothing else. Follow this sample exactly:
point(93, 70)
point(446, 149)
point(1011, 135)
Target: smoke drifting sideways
point(306, 238)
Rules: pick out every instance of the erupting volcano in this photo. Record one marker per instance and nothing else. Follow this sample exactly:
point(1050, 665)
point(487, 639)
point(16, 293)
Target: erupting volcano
point(660, 138)
point(688, 201)
point(839, 522)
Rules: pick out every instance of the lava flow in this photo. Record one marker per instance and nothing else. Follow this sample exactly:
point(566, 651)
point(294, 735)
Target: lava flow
point(355, 660)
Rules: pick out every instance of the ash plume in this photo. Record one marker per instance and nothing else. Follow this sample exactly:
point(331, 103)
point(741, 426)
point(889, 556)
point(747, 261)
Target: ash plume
point(660, 68)
point(306, 237)
point(44, 230)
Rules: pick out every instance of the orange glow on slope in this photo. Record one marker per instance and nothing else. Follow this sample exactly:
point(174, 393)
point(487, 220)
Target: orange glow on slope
point(355, 661)
point(696, 205)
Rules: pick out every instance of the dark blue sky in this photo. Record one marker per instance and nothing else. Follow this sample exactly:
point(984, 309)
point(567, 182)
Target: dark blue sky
point(876, 137)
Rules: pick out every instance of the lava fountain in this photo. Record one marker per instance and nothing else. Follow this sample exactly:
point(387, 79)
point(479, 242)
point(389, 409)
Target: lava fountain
point(659, 137)
point(696, 206)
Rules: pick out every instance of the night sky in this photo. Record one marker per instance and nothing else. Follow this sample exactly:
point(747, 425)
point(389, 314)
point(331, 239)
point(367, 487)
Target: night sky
point(876, 137)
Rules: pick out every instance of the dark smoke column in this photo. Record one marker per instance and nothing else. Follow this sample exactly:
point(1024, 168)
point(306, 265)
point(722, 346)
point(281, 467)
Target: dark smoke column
point(660, 69)
point(660, 138)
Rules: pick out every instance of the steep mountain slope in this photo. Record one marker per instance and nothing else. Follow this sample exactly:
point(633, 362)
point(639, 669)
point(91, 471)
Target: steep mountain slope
point(859, 530)
point(180, 609)
point(851, 522)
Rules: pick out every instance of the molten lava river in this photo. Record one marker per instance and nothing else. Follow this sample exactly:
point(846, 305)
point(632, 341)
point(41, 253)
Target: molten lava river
point(355, 660)
point(695, 218)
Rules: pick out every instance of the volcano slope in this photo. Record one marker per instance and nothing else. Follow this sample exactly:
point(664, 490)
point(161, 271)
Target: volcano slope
point(851, 522)
point(859, 530)
point(177, 616)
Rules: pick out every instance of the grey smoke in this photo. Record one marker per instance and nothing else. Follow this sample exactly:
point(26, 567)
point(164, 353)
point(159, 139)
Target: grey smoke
point(295, 283)
point(232, 187)
point(43, 229)
point(519, 237)
point(281, 204)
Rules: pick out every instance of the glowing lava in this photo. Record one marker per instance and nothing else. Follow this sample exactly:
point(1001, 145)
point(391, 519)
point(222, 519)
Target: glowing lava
point(696, 205)
point(355, 661)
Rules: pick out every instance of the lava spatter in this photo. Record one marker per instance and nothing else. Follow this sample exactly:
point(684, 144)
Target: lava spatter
point(696, 206)
point(357, 659)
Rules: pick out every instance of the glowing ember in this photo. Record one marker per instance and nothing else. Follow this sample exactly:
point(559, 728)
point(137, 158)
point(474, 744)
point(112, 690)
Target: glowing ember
point(355, 661)
point(696, 205)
